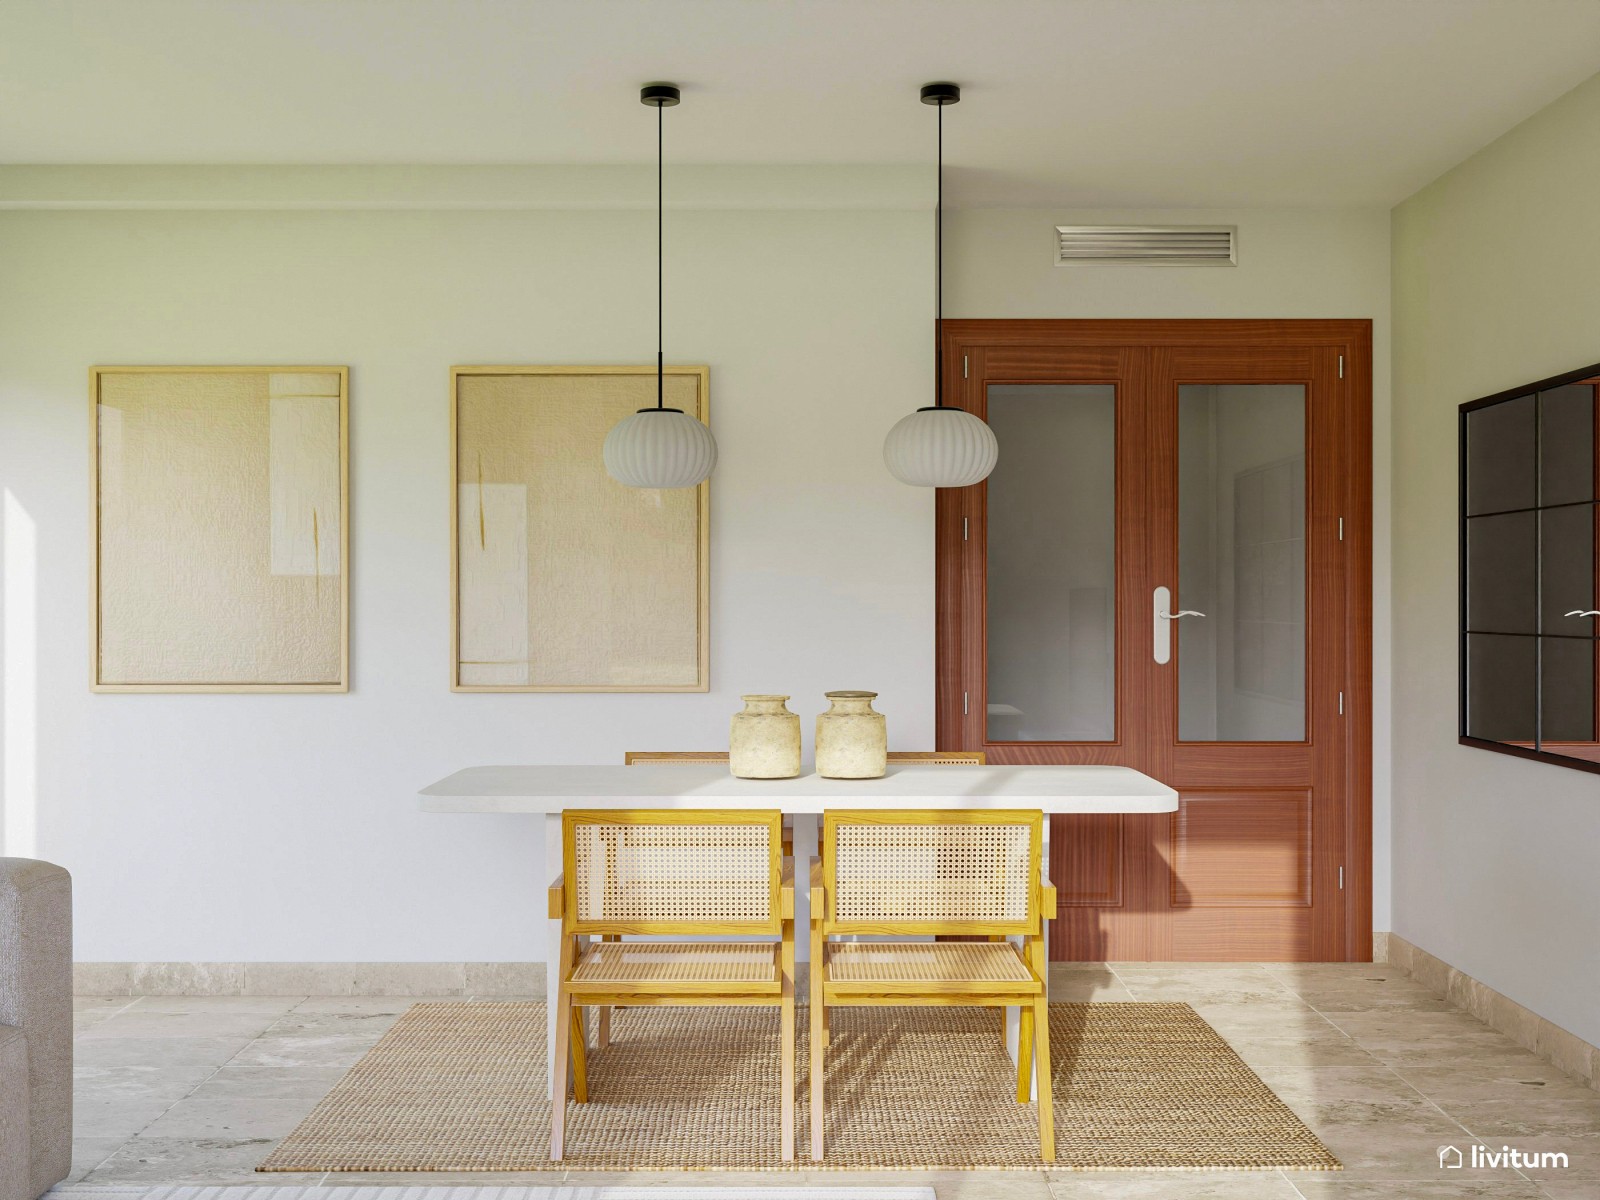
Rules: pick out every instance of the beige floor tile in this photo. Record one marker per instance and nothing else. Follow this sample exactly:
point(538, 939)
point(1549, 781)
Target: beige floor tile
point(160, 1053)
point(369, 1004)
point(1120, 967)
point(317, 1051)
point(137, 1023)
point(1569, 1189)
point(230, 1118)
point(217, 1004)
point(100, 1116)
point(1326, 1084)
point(269, 1083)
point(138, 1082)
point(1510, 1188)
point(1087, 987)
point(89, 1153)
point(189, 1160)
point(1320, 1051)
point(1535, 1116)
point(371, 1025)
point(1253, 1185)
point(1211, 986)
point(1265, 1018)
point(1512, 1079)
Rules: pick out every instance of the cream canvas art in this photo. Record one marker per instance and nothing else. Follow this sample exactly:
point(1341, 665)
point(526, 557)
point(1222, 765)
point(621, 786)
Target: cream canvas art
point(220, 540)
point(565, 580)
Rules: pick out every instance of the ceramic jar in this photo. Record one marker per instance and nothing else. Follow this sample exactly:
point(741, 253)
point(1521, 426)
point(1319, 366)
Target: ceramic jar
point(852, 739)
point(764, 740)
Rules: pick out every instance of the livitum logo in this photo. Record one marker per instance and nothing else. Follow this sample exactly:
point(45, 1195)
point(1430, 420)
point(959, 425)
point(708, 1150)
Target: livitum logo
point(1506, 1158)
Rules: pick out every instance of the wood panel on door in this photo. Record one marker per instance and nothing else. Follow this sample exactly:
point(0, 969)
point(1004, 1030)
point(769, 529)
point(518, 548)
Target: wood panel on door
point(1264, 728)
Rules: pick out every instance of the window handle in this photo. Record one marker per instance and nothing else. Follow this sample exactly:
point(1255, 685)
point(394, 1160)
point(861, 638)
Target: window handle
point(1578, 612)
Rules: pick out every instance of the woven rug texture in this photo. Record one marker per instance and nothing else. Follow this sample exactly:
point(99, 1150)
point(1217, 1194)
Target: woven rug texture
point(1138, 1086)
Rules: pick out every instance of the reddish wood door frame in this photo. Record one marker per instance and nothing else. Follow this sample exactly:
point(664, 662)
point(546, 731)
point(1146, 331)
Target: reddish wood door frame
point(1124, 909)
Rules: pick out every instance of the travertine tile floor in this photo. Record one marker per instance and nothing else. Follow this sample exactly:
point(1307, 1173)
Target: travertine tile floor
point(178, 1089)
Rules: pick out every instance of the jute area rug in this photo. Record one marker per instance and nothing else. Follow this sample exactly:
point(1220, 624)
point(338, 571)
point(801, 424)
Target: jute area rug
point(1138, 1086)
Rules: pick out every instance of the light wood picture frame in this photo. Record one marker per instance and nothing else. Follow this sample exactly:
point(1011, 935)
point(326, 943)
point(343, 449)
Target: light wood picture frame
point(593, 586)
point(219, 554)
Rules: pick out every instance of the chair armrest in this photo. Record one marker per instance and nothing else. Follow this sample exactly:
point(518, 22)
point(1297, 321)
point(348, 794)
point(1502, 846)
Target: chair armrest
point(1047, 898)
point(558, 898)
point(818, 899)
point(786, 889)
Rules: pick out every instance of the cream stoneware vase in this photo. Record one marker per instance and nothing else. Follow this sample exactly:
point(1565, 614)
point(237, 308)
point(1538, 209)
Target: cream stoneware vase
point(764, 740)
point(852, 739)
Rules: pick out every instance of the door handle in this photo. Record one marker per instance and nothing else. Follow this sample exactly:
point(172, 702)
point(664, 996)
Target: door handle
point(1578, 612)
point(1163, 617)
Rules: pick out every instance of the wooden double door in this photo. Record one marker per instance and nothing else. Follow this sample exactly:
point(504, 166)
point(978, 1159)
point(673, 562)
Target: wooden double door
point(1170, 569)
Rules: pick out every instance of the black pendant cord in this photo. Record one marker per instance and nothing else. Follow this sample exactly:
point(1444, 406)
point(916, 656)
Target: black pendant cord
point(938, 273)
point(661, 389)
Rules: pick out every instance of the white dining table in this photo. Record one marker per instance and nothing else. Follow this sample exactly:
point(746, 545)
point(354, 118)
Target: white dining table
point(548, 790)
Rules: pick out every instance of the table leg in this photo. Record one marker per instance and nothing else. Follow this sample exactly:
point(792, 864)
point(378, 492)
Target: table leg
point(552, 950)
point(806, 829)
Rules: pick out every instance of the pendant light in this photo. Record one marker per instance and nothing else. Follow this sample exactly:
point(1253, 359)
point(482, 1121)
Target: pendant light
point(660, 447)
point(940, 446)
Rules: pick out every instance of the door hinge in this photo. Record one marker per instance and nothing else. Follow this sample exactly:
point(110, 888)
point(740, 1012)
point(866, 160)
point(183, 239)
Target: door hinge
point(963, 704)
point(1341, 366)
point(1341, 704)
point(1341, 529)
point(963, 529)
point(1341, 879)
point(963, 366)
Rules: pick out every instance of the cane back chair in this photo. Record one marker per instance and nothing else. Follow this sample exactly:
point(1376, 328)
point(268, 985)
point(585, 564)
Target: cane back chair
point(700, 757)
point(961, 872)
point(685, 873)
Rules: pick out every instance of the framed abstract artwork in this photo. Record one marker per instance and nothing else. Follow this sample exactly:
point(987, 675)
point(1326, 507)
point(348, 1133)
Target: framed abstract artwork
point(219, 555)
point(562, 579)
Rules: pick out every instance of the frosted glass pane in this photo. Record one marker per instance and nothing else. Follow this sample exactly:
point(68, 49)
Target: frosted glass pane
point(1241, 562)
point(1052, 564)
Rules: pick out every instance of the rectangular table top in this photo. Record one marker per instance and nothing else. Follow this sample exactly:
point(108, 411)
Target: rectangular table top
point(550, 789)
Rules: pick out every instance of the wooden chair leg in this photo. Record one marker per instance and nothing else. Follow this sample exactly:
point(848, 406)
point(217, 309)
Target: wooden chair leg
point(1024, 1054)
point(786, 1069)
point(580, 1059)
point(819, 1041)
point(1038, 957)
point(602, 1030)
point(562, 1057)
point(1047, 1116)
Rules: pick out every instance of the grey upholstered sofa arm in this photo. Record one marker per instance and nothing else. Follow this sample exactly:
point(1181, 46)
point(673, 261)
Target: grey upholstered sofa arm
point(35, 1027)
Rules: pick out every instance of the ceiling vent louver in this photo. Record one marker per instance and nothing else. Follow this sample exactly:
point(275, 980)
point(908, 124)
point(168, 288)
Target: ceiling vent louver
point(1148, 245)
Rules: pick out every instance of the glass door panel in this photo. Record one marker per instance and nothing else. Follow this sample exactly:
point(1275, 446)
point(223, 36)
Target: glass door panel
point(1051, 540)
point(1241, 563)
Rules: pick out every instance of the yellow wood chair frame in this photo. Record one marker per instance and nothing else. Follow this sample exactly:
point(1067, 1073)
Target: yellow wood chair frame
point(589, 977)
point(1016, 977)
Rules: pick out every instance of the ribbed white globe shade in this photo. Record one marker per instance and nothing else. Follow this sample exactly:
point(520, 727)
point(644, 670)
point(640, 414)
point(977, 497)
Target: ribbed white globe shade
point(660, 448)
point(941, 447)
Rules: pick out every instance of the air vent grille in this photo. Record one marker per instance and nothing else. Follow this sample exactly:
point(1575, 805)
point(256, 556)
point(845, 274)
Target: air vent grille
point(1148, 245)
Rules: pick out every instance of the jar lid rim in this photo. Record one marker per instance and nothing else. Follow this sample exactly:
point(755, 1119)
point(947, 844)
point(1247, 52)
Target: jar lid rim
point(851, 695)
point(763, 697)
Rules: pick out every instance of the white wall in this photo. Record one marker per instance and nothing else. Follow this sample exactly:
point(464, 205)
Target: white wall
point(1292, 263)
point(282, 827)
point(1496, 284)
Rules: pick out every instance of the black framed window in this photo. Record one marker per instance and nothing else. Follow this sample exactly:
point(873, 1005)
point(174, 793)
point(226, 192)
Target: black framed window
point(1530, 525)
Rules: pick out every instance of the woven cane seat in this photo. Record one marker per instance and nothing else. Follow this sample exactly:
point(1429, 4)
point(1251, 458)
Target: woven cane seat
point(955, 966)
point(636, 966)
